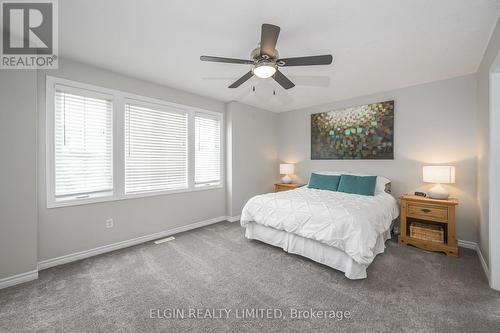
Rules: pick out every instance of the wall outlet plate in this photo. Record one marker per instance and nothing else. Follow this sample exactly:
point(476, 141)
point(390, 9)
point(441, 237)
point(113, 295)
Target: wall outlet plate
point(109, 223)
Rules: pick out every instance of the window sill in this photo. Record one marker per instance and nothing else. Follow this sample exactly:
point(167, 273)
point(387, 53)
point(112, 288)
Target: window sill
point(87, 201)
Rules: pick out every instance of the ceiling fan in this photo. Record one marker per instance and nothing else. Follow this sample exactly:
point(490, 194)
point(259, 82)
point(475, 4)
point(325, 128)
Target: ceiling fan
point(266, 61)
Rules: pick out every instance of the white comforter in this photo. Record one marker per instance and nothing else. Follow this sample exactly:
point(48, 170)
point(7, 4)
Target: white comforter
point(348, 222)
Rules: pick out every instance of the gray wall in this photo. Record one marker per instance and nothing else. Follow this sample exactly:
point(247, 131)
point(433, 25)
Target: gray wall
point(71, 229)
point(435, 123)
point(251, 155)
point(18, 212)
point(483, 99)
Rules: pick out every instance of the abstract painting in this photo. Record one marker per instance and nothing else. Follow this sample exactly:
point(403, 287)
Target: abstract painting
point(364, 132)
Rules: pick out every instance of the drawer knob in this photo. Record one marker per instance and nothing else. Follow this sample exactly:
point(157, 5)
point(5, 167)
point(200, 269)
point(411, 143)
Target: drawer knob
point(425, 210)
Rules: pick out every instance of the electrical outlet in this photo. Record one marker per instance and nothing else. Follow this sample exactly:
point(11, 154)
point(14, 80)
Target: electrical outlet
point(109, 223)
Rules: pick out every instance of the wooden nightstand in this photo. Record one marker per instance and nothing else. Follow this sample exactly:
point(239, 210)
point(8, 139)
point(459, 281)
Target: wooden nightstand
point(280, 187)
point(431, 211)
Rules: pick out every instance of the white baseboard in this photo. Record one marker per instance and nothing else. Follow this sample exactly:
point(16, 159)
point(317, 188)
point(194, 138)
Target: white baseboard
point(19, 278)
point(123, 244)
point(233, 218)
point(475, 246)
point(468, 244)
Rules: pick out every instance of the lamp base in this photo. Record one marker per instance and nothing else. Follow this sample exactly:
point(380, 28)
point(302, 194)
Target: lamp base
point(438, 192)
point(286, 179)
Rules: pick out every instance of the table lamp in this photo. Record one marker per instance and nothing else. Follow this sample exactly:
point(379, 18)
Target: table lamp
point(287, 170)
point(438, 175)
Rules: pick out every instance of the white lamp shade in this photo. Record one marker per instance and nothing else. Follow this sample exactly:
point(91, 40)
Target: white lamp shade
point(286, 169)
point(439, 174)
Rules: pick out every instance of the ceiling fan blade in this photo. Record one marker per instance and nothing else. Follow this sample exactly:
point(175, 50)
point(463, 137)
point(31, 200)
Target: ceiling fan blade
point(226, 60)
point(283, 80)
point(241, 80)
point(306, 61)
point(268, 39)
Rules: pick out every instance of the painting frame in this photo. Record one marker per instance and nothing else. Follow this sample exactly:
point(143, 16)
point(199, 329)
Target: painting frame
point(361, 132)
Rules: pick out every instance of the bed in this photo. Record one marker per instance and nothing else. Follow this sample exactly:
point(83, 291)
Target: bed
point(340, 230)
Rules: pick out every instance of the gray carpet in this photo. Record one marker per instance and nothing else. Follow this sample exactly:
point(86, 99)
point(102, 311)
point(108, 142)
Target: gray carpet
point(407, 290)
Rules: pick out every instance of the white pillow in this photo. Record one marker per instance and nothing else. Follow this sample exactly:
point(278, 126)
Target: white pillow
point(379, 187)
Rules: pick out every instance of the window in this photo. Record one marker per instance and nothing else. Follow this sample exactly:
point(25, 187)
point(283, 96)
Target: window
point(155, 149)
point(104, 144)
point(83, 145)
point(207, 150)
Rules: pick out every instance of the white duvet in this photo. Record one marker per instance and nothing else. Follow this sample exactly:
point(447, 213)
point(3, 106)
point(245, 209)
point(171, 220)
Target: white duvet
point(349, 222)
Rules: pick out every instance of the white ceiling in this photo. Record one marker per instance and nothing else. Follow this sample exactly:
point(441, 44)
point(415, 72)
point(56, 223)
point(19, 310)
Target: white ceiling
point(377, 45)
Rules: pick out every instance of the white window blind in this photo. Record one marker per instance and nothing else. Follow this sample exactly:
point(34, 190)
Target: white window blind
point(155, 149)
point(83, 145)
point(207, 149)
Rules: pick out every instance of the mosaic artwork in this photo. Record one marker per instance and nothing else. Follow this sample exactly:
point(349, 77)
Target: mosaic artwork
point(362, 132)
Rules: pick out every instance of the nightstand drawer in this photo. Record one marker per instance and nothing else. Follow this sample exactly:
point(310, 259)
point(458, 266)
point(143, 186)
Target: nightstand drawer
point(282, 188)
point(279, 187)
point(428, 212)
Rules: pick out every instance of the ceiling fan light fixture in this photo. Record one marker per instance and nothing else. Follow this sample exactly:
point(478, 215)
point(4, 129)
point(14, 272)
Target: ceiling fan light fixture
point(264, 70)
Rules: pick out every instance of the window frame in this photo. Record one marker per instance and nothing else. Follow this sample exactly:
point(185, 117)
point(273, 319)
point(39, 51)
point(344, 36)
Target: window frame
point(119, 99)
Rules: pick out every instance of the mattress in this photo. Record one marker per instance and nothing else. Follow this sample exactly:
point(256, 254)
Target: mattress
point(314, 250)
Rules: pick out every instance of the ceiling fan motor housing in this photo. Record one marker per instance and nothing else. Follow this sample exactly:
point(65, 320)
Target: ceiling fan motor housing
point(256, 56)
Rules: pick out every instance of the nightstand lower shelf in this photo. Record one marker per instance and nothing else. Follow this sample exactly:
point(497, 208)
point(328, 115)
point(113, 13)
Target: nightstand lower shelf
point(429, 246)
